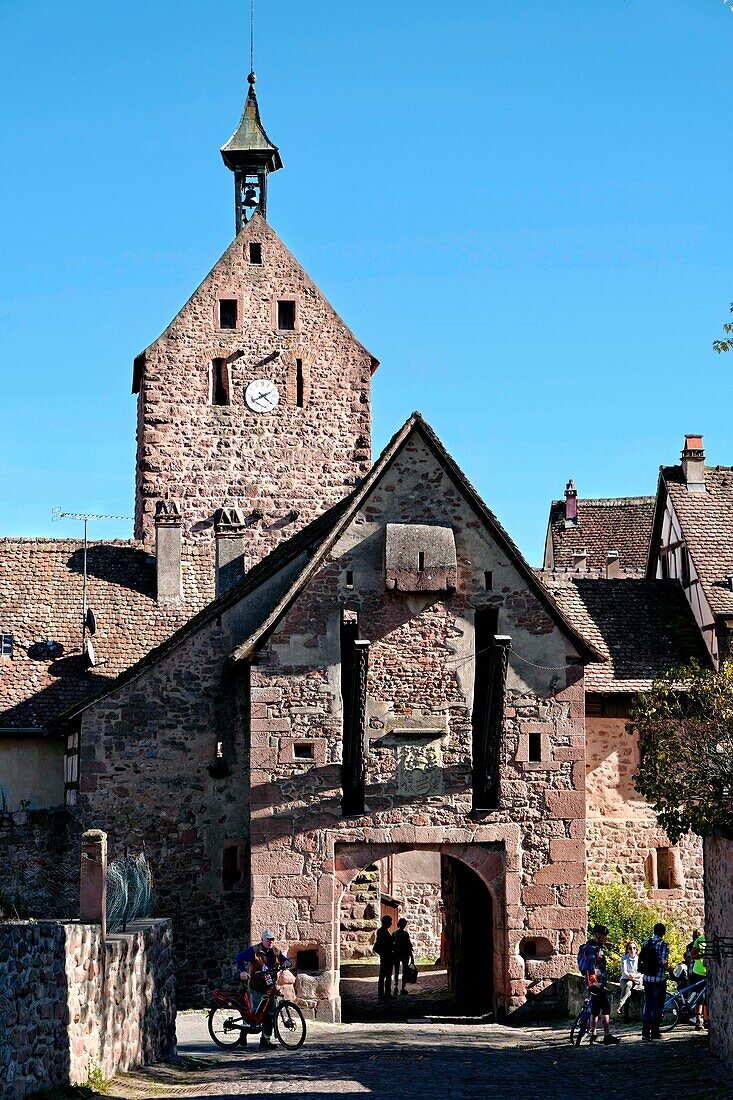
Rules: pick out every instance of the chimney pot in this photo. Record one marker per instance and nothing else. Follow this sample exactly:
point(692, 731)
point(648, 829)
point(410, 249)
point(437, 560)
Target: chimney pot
point(571, 504)
point(229, 529)
point(693, 463)
point(580, 558)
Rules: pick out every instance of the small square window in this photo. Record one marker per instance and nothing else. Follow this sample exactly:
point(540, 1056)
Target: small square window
point(255, 252)
point(6, 645)
point(286, 314)
point(534, 746)
point(227, 313)
point(303, 751)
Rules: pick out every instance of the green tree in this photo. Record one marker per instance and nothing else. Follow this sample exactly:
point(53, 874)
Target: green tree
point(685, 731)
point(616, 905)
point(727, 342)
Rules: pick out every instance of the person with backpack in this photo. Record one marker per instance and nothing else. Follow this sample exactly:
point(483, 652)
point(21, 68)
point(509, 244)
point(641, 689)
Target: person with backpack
point(699, 971)
point(384, 947)
point(403, 955)
point(654, 966)
point(592, 965)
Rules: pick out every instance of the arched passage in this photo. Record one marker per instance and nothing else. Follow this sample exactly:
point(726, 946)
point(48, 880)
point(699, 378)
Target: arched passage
point(471, 939)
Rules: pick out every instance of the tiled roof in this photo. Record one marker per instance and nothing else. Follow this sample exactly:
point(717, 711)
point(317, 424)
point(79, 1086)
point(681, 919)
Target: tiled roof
point(644, 628)
point(623, 524)
point(41, 601)
point(707, 528)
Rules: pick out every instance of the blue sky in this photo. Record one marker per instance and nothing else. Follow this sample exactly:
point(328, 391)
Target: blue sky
point(524, 210)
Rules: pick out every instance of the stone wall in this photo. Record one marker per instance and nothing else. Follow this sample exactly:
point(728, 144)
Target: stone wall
point(360, 914)
point(39, 868)
point(300, 459)
point(70, 1002)
point(719, 923)
point(414, 880)
point(622, 832)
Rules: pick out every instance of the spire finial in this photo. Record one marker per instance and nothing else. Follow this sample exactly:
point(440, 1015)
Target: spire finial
point(252, 77)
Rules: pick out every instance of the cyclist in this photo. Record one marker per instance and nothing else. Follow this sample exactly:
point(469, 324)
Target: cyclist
point(699, 971)
point(259, 963)
point(592, 964)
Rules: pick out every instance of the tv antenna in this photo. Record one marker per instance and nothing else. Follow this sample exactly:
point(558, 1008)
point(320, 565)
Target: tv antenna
point(88, 620)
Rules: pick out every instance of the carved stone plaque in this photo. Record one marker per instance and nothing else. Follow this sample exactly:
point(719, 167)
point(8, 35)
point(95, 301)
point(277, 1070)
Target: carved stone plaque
point(420, 769)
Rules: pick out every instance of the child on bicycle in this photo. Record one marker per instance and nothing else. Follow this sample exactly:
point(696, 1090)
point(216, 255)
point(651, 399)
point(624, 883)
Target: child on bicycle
point(259, 963)
point(592, 964)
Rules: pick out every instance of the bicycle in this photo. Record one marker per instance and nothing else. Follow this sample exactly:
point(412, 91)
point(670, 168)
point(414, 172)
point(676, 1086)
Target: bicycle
point(582, 1022)
point(232, 1019)
point(680, 1007)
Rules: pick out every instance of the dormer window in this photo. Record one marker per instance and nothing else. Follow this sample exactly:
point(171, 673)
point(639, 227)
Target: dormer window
point(6, 645)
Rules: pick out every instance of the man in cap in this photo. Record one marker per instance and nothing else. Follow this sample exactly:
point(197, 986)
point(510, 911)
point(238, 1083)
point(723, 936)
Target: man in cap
point(257, 963)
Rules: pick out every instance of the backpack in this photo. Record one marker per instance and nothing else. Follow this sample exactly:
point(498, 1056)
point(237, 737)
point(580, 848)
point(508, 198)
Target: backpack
point(582, 959)
point(648, 959)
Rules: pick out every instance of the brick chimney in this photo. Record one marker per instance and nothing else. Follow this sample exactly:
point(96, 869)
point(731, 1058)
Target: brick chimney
point(580, 559)
point(571, 504)
point(613, 565)
point(229, 528)
point(168, 551)
point(693, 464)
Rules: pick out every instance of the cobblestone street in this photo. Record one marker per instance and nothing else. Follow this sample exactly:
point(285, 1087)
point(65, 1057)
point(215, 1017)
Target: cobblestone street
point(446, 1061)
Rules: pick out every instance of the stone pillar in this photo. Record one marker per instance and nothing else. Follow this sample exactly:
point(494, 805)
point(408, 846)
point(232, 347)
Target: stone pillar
point(93, 888)
point(168, 551)
point(229, 528)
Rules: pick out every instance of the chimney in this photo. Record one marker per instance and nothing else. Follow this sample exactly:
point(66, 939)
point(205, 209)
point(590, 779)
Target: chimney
point(693, 464)
point(571, 504)
point(580, 558)
point(168, 551)
point(229, 528)
point(613, 565)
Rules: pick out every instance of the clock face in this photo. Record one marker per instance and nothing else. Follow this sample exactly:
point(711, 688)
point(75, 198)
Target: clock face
point(262, 395)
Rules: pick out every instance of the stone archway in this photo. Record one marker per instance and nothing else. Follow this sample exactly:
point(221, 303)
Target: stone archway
point(474, 879)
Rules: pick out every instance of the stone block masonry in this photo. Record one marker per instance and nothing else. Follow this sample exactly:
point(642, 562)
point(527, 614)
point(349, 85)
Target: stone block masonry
point(70, 1002)
point(719, 927)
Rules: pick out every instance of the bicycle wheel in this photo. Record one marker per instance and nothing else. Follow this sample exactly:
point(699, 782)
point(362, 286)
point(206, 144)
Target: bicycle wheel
point(580, 1026)
point(220, 1027)
point(670, 1014)
point(290, 1025)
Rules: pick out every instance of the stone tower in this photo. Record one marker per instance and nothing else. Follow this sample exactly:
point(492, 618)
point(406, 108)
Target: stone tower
point(254, 404)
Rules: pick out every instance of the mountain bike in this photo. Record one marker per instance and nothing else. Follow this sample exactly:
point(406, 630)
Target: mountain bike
point(682, 1005)
point(582, 1022)
point(232, 1019)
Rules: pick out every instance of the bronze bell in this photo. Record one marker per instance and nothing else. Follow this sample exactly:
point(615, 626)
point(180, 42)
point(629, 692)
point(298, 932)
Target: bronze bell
point(250, 197)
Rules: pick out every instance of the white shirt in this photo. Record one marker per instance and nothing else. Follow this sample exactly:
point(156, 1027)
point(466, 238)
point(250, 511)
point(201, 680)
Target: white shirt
point(629, 966)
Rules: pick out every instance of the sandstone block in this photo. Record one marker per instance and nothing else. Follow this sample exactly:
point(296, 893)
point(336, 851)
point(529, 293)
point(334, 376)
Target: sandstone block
point(570, 851)
point(538, 895)
point(565, 804)
point(560, 874)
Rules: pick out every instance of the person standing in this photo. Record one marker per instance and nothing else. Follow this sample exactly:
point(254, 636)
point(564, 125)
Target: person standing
point(654, 965)
point(592, 963)
point(403, 954)
point(699, 973)
point(630, 977)
point(259, 963)
point(384, 947)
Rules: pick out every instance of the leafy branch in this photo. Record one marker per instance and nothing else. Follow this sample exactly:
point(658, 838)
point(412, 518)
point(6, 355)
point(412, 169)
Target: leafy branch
point(684, 727)
point(726, 344)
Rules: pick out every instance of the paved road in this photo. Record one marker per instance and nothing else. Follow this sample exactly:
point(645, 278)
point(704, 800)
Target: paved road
point(430, 1061)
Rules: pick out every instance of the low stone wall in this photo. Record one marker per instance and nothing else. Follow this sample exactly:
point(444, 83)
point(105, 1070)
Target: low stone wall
point(578, 991)
point(70, 1002)
point(719, 923)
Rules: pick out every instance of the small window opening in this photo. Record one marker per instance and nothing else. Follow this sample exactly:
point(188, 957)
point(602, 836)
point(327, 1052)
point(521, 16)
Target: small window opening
point(231, 872)
point(534, 751)
point(303, 751)
point(255, 252)
point(664, 869)
point(219, 382)
point(286, 314)
point(219, 750)
point(685, 567)
point(488, 580)
point(228, 313)
point(6, 645)
point(665, 567)
point(349, 578)
point(299, 387)
point(421, 560)
point(307, 959)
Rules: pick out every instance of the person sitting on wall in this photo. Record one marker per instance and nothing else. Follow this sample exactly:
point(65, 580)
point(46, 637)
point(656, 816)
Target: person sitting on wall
point(592, 964)
point(403, 954)
point(255, 963)
point(384, 947)
point(630, 977)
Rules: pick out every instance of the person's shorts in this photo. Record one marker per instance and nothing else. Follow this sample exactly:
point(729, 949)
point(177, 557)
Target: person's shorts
point(600, 1004)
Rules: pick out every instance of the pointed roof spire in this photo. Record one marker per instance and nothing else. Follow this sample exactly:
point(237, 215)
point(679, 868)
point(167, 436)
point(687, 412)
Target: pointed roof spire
point(249, 145)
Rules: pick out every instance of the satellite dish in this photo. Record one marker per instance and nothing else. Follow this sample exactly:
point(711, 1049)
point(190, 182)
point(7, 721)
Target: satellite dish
point(89, 650)
point(91, 621)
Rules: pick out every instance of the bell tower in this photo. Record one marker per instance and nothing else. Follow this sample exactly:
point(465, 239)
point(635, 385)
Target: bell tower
point(251, 156)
